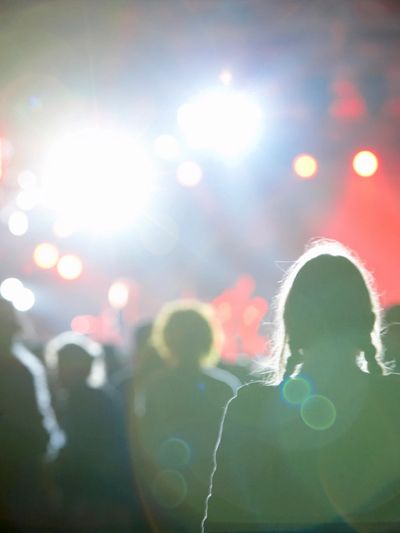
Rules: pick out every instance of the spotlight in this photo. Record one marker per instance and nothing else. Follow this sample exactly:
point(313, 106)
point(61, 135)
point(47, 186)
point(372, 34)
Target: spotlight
point(118, 294)
point(24, 300)
point(101, 179)
point(18, 223)
point(221, 121)
point(45, 255)
point(225, 77)
point(69, 267)
point(10, 287)
point(365, 163)
point(305, 166)
point(189, 174)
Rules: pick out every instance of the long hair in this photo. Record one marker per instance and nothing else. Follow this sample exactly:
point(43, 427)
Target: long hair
point(327, 294)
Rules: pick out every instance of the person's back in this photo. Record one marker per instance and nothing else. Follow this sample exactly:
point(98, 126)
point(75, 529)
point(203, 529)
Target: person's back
point(315, 445)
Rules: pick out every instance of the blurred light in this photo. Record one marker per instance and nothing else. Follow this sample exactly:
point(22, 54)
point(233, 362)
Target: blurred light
point(167, 147)
point(10, 287)
point(27, 179)
point(24, 300)
point(69, 267)
point(305, 166)
point(159, 235)
point(103, 179)
point(189, 174)
point(63, 227)
point(45, 255)
point(365, 163)
point(222, 121)
point(1, 157)
point(18, 223)
point(226, 77)
point(27, 199)
point(82, 324)
point(118, 294)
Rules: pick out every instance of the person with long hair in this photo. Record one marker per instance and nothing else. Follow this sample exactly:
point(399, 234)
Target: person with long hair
point(314, 445)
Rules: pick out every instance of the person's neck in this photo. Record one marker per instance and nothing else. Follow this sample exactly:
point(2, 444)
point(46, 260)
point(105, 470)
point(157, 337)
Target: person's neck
point(328, 359)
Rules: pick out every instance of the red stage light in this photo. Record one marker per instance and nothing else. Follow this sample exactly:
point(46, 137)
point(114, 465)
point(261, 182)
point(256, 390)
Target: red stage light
point(365, 163)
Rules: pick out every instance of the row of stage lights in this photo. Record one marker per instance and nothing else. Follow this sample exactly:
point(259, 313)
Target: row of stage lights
point(189, 174)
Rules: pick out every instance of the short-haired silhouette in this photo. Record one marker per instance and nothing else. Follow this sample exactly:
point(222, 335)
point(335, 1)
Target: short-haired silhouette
point(314, 446)
point(183, 409)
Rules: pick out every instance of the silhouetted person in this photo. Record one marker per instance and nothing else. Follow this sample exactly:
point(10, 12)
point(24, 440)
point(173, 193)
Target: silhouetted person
point(92, 466)
point(391, 336)
point(181, 415)
point(28, 430)
point(315, 445)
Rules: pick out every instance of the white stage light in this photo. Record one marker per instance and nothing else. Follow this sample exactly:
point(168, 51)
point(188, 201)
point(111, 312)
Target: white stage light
point(167, 147)
point(10, 287)
point(24, 300)
point(222, 121)
point(18, 223)
point(102, 179)
point(118, 294)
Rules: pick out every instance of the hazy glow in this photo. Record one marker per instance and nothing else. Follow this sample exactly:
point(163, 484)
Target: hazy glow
point(27, 199)
point(45, 255)
point(365, 163)
point(226, 77)
point(18, 223)
point(167, 147)
point(69, 267)
point(10, 287)
point(305, 166)
point(27, 179)
point(189, 174)
point(63, 227)
point(102, 179)
point(222, 121)
point(24, 300)
point(118, 294)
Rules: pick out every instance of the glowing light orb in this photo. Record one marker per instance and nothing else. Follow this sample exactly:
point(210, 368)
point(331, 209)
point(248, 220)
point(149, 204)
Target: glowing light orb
point(18, 223)
point(69, 267)
point(305, 166)
point(189, 174)
point(167, 147)
point(10, 287)
point(102, 179)
point(296, 390)
point(225, 77)
point(225, 122)
point(174, 453)
point(24, 300)
point(118, 294)
point(170, 488)
point(318, 412)
point(365, 163)
point(45, 255)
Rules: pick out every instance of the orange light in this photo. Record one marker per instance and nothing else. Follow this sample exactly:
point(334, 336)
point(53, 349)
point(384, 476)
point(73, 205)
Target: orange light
point(305, 166)
point(45, 255)
point(365, 163)
point(69, 267)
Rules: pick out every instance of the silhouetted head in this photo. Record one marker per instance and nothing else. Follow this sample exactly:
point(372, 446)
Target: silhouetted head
point(327, 299)
point(185, 333)
point(9, 324)
point(72, 355)
point(391, 336)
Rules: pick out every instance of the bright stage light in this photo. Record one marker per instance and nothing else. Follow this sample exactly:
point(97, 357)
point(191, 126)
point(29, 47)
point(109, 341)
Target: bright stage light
point(305, 166)
point(222, 121)
point(27, 199)
point(189, 174)
point(24, 300)
point(226, 77)
point(45, 255)
point(167, 147)
point(118, 294)
point(69, 267)
point(10, 287)
point(365, 163)
point(101, 179)
point(18, 223)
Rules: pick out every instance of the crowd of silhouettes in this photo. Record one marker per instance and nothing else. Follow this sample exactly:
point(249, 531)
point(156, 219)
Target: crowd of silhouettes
point(164, 436)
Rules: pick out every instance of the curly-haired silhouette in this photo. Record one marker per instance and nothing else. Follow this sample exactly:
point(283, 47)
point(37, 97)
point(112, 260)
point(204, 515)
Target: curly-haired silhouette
point(183, 410)
point(314, 445)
